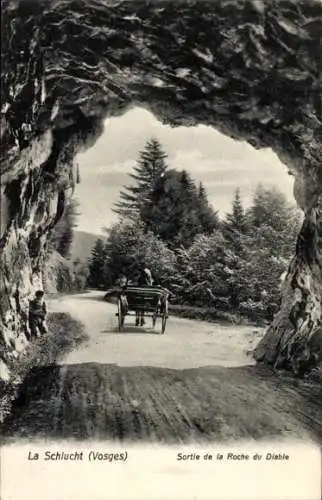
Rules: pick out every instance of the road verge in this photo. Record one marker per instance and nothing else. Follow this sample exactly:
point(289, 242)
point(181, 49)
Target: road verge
point(65, 333)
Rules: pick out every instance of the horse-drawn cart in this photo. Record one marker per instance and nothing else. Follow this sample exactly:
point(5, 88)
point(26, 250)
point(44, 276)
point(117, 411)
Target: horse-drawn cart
point(143, 302)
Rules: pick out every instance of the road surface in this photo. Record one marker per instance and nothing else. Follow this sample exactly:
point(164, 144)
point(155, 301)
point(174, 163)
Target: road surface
point(186, 343)
point(194, 383)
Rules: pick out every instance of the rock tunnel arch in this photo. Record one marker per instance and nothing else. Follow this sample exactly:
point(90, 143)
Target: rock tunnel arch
point(249, 68)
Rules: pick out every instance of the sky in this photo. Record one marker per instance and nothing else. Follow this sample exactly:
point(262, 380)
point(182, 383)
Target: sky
point(222, 164)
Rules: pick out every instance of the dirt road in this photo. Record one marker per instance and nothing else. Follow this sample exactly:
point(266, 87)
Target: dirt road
point(186, 343)
point(194, 383)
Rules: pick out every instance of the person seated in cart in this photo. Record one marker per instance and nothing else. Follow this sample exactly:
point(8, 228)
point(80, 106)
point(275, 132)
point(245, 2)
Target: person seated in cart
point(144, 279)
point(122, 281)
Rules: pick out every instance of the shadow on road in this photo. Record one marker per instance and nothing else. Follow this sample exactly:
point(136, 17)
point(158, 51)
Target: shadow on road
point(97, 401)
point(133, 329)
point(90, 297)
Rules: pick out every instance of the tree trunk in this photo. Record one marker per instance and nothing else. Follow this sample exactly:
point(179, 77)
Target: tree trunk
point(290, 341)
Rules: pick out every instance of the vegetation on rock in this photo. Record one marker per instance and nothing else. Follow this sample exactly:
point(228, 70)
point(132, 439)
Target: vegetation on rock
point(61, 272)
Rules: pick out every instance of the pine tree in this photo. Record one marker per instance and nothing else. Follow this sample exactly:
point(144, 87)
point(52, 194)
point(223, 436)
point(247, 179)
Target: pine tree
point(236, 223)
point(235, 228)
point(202, 193)
point(274, 221)
point(208, 217)
point(177, 212)
point(267, 248)
point(151, 166)
point(97, 262)
point(271, 208)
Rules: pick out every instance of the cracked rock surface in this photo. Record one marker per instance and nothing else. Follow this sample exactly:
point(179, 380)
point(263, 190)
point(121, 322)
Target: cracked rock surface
point(251, 68)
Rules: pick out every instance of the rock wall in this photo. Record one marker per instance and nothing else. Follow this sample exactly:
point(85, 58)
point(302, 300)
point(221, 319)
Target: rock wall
point(250, 68)
point(58, 275)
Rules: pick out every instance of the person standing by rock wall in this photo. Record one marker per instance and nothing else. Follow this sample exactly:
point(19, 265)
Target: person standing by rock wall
point(37, 315)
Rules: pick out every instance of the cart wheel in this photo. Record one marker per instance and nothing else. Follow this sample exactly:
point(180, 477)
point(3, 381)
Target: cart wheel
point(121, 315)
point(164, 314)
point(164, 322)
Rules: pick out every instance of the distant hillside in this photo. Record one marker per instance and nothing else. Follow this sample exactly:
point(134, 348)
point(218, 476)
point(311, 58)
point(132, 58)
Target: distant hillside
point(82, 245)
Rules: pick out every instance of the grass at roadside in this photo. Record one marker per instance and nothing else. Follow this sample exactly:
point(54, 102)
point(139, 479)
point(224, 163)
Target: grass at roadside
point(211, 314)
point(207, 313)
point(64, 334)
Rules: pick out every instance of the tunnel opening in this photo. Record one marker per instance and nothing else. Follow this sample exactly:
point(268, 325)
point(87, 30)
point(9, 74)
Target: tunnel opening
point(234, 180)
